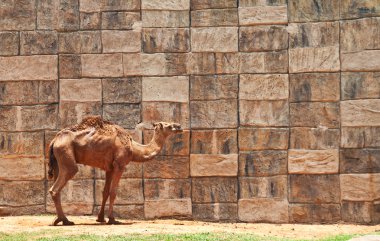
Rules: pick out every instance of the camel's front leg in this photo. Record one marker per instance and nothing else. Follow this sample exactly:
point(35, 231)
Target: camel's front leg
point(116, 175)
point(106, 193)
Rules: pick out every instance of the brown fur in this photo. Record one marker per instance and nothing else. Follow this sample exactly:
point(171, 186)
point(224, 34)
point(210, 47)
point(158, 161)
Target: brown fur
point(102, 144)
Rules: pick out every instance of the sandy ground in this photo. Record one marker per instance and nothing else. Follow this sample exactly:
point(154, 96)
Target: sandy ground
point(88, 225)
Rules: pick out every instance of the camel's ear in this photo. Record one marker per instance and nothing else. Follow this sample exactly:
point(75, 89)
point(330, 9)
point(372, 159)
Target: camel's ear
point(159, 124)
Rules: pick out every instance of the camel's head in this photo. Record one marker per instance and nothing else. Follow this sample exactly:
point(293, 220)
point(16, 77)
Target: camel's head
point(167, 128)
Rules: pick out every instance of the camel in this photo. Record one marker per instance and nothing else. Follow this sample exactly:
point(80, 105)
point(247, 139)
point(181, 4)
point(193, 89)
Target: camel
point(101, 144)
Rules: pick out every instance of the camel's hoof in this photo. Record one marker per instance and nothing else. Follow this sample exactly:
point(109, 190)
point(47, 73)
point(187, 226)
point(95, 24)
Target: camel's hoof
point(64, 221)
point(100, 220)
point(112, 221)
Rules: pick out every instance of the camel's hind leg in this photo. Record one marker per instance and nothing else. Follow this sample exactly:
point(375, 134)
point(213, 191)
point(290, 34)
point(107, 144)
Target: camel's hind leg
point(67, 170)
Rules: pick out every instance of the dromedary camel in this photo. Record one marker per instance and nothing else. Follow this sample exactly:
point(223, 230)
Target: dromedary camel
point(102, 144)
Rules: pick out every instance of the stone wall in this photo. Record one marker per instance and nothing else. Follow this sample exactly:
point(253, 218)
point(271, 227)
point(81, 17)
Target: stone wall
point(280, 101)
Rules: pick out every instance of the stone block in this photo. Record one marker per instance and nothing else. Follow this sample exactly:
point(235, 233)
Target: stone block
point(324, 59)
point(215, 212)
point(102, 65)
point(38, 42)
point(27, 168)
point(47, 14)
point(263, 38)
point(71, 113)
point(260, 15)
point(22, 144)
point(18, 211)
point(121, 41)
point(314, 87)
point(69, 42)
point(9, 43)
point(172, 89)
point(77, 198)
point(264, 113)
point(133, 170)
point(314, 138)
point(70, 66)
point(360, 187)
point(48, 91)
point(359, 160)
point(315, 114)
point(360, 112)
point(359, 9)
point(213, 87)
point(120, 20)
point(111, 5)
point(8, 115)
point(209, 165)
point(204, 4)
point(263, 210)
point(125, 115)
point(156, 189)
point(201, 63)
point(168, 111)
point(263, 163)
point(22, 193)
point(315, 189)
point(165, 5)
point(89, 21)
point(227, 63)
point(165, 19)
point(80, 90)
point(360, 85)
point(90, 6)
point(366, 60)
point(308, 11)
point(18, 15)
point(214, 17)
point(166, 208)
point(263, 62)
point(167, 167)
point(19, 93)
point(214, 189)
point(38, 67)
point(314, 213)
point(177, 144)
point(216, 39)
point(264, 87)
point(214, 114)
point(155, 64)
point(317, 35)
point(263, 187)
point(313, 161)
point(360, 34)
point(122, 90)
point(158, 40)
point(68, 15)
point(129, 191)
point(91, 42)
point(356, 212)
point(251, 139)
point(359, 137)
point(132, 212)
point(214, 141)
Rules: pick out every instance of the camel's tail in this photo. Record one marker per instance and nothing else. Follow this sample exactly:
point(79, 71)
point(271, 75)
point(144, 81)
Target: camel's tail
point(52, 162)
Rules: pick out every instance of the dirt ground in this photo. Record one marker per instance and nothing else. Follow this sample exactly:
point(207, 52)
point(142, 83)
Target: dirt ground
point(88, 225)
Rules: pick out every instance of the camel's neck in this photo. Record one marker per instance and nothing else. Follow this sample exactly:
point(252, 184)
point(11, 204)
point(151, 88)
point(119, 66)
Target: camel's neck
point(142, 153)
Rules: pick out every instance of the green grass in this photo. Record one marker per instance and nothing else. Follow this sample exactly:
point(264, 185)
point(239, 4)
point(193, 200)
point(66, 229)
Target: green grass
point(53, 236)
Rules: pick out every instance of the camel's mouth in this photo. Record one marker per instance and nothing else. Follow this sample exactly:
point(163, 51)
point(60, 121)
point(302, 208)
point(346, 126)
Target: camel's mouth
point(177, 128)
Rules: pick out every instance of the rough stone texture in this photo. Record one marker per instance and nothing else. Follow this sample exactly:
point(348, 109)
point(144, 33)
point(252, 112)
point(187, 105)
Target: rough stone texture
point(360, 85)
point(213, 114)
point(70, 66)
point(22, 144)
point(324, 59)
point(214, 189)
point(214, 17)
point(173, 167)
point(21, 168)
point(220, 39)
point(21, 193)
point(303, 35)
point(360, 187)
point(215, 212)
point(312, 213)
point(313, 161)
point(308, 11)
point(89, 21)
point(102, 65)
point(263, 163)
point(165, 19)
point(205, 4)
point(315, 114)
point(360, 112)
point(214, 141)
point(263, 15)
point(127, 115)
point(18, 15)
point(168, 208)
point(263, 187)
point(178, 144)
point(264, 62)
point(263, 210)
point(156, 40)
point(165, 5)
point(263, 138)
point(129, 192)
point(360, 137)
point(357, 212)
point(120, 20)
point(359, 8)
point(121, 41)
point(263, 38)
point(213, 87)
point(366, 60)
point(172, 89)
point(71, 112)
point(121, 90)
point(168, 111)
point(314, 87)
point(9, 43)
point(264, 87)
point(264, 113)
point(158, 189)
point(81, 90)
point(208, 165)
point(314, 189)
point(359, 160)
point(38, 42)
point(314, 138)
